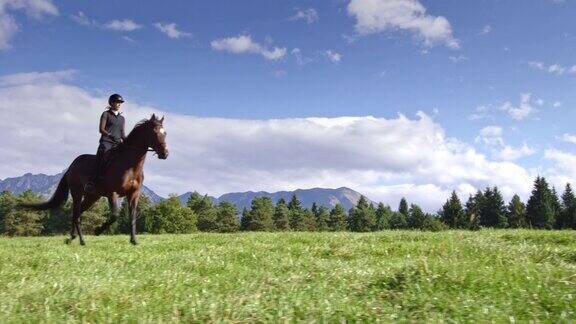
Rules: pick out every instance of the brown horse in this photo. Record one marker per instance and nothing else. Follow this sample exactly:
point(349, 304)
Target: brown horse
point(122, 178)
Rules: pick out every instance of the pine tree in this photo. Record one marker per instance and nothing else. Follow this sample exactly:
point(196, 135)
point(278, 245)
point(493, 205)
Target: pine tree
point(297, 215)
point(261, 214)
point(19, 222)
point(516, 213)
point(7, 203)
point(294, 203)
point(398, 221)
point(493, 210)
point(433, 223)
point(416, 217)
point(22, 222)
point(362, 218)
point(205, 211)
point(226, 219)
point(314, 209)
point(473, 211)
point(58, 221)
point(170, 216)
point(281, 216)
point(246, 220)
point(337, 220)
point(383, 214)
point(540, 207)
point(556, 205)
point(452, 212)
point(308, 221)
point(403, 207)
point(568, 213)
point(322, 219)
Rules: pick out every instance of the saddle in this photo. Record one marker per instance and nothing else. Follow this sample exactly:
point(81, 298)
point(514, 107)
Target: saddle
point(107, 158)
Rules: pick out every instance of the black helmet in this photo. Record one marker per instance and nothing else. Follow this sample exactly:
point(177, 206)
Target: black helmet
point(115, 98)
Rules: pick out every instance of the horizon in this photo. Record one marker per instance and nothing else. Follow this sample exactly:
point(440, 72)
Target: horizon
point(392, 99)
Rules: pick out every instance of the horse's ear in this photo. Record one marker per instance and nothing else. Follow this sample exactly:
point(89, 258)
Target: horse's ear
point(153, 117)
point(161, 120)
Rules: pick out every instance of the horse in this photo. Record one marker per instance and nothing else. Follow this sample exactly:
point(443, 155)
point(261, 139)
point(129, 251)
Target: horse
point(123, 177)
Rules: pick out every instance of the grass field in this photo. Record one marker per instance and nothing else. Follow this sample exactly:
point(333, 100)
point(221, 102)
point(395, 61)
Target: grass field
point(490, 275)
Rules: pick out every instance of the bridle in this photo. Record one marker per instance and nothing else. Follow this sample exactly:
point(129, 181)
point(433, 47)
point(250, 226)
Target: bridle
point(147, 148)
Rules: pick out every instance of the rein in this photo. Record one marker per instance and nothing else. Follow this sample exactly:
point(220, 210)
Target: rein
point(148, 149)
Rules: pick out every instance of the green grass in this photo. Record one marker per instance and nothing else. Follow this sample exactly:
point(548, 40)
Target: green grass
point(491, 275)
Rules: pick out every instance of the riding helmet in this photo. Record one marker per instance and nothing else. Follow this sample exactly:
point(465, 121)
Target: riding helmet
point(115, 98)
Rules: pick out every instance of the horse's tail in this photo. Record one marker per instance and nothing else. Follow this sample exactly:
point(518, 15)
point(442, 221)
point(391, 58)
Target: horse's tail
point(58, 198)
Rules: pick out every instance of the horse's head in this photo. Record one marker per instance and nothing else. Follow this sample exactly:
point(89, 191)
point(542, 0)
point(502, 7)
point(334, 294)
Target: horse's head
point(156, 137)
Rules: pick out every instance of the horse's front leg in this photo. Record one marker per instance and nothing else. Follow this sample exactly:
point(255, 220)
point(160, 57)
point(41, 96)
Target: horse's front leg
point(114, 211)
point(133, 211)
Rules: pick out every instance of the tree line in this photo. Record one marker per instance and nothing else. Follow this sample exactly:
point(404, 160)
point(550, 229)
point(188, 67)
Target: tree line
point(543, 210)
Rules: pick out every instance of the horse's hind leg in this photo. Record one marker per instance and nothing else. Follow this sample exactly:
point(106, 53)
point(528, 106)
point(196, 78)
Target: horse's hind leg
point(74, 230)
point(76, 212)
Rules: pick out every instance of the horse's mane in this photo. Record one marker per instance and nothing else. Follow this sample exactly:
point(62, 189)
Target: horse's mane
point(133, 133)
point(140, 124)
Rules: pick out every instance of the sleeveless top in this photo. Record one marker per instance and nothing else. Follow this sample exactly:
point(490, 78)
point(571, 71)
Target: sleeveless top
point(114, 127)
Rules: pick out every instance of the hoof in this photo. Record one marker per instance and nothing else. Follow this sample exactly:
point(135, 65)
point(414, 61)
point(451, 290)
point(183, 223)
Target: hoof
point(82, 243)
point(68, 241)
point(133, 242)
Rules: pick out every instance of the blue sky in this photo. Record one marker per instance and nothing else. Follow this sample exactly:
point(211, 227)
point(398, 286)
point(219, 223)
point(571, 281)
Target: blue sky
point(496, 75)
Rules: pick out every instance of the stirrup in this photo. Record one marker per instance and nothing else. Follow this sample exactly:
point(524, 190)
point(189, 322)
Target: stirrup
point(89, 187)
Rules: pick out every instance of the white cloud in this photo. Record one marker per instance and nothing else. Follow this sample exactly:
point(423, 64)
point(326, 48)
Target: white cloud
point(35, 9)
point(383, 158)
point(244, 44)
point(490, 135)
point(459, 58)
point(571, 138)
point(300, 59)
point(491, 131)
point(373, 16)
point(564, 169)
point(309, 15)
point(82, 19)
point(557, 104)
point(486, 30)
point(125, 25)
point(8, 29)
point(556, 69)
point(493, 137)
point(333, 56)
point(481, 112)
point(171, 30)
point(509, 153)
point(36, 77)
point(521, 111)
point(128, 39)
point(539, 101)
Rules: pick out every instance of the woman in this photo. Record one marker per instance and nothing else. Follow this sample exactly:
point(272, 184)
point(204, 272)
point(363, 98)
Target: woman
point(112, 134)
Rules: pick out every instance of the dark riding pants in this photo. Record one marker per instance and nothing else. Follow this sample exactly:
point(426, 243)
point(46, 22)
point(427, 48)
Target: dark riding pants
point(101, 157)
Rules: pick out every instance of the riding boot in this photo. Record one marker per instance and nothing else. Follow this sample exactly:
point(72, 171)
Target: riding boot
point(97, 176)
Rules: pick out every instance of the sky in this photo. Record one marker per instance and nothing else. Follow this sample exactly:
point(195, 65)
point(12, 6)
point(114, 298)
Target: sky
point(392, 98)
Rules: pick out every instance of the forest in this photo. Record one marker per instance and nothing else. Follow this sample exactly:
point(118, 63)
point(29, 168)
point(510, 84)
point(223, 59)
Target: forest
point(545, 209)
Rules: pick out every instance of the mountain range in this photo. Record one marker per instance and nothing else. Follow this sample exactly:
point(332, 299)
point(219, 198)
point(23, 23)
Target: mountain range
point(46, 185)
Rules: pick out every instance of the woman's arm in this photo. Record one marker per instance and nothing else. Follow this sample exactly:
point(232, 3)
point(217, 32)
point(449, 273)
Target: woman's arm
point(123, 135)
point(103, 120)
